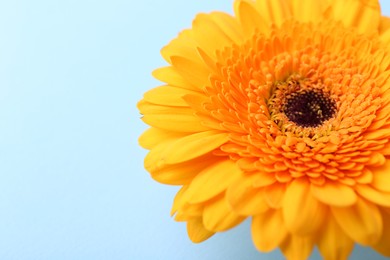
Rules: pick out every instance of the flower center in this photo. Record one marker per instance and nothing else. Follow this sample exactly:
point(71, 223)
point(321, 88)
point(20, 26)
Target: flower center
point(309, 108)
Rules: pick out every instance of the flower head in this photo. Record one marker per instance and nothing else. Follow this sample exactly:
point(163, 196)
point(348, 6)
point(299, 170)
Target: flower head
point(279, 113)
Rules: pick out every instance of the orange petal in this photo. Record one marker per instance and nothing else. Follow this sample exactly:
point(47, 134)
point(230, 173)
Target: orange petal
point(193, 146)
point(171, 76)
point(308, 10)
point(378, 197)
point(302, 213)
point(196, 231)
point(381, 176)
point(182, 46)
point(179, 200)
point(362, 222)
point(334, 194)
point(192, 71)
point(249, 18)
point(357, 13)
point(204, 29)
point(274, 11)
point(383, 244)
point(218, 216)
point(153, 136)
point(333, 243)
point(274, 194)
point(297, 248)
point(181, 173)
point(229, 25)
point(244, 198)
point(167, 96)
point(268, 230)
point(212, 181)
point(186, 123)
point(153, 161)
point(264, 179)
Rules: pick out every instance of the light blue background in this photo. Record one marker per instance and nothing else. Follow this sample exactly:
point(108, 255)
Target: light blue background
point(72, 183)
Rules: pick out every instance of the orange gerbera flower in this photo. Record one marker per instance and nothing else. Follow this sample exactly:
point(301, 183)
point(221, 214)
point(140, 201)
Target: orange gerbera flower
point(280, 113)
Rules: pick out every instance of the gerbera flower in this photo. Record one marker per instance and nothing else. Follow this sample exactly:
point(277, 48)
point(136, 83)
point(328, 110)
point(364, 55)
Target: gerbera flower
point(280, 113)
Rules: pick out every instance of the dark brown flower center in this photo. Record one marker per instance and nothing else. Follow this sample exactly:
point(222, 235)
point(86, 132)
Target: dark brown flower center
point(309, 108)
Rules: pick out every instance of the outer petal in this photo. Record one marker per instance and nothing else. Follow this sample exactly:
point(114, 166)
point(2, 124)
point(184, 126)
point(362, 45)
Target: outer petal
point(204, 29)
point(229, 25)
point(196, 231)
point(268, 230)
point(193, 146)
point(171, 76)
point(383, 244)
point(249, 17)
point(183, 46)
point(364, 15)
point(302, 213)
point(297, 248)
point(175, 119)
point(362, 222)
point(192, 70)
point(274, 195)
point(212, 181)
point(153, 136)
point(384, 29)
point(244, 198)
point(333, 243)
point(335, 194)
point(179, 200)
point(182, 173)
point(218, 216)
point(274, 11)
point(381, 176)
point(168, 96)
point(308, 10)
point(373, 195)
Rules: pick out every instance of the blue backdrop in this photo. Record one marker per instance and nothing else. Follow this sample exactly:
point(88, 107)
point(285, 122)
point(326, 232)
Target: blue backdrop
point(72, 183)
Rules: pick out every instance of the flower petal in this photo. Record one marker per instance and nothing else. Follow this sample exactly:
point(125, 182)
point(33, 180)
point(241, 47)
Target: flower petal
point(333, 243)
point(244, 198)
point(193, 71)
point(362, 222)
point(274, 11)
point(229, 25)
point(212, 181)
point(181, 173)
point(302, 213)
point(381, 176)
point(274, 195)
point(195, 145)
point(335, 194)
point(268, 230)
point(357, 13)
point(249, 18)
point(378, 197)
point(167, 96)
point(154, 136)
point(308, 10)
point(179, 200)
point(196, 231)
point(172, 77)
point(218, 216)
point(205, 29)
point(175, 119)
point(264, 179)
point(297, 248)
point(383, 244)
point(182, 46)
